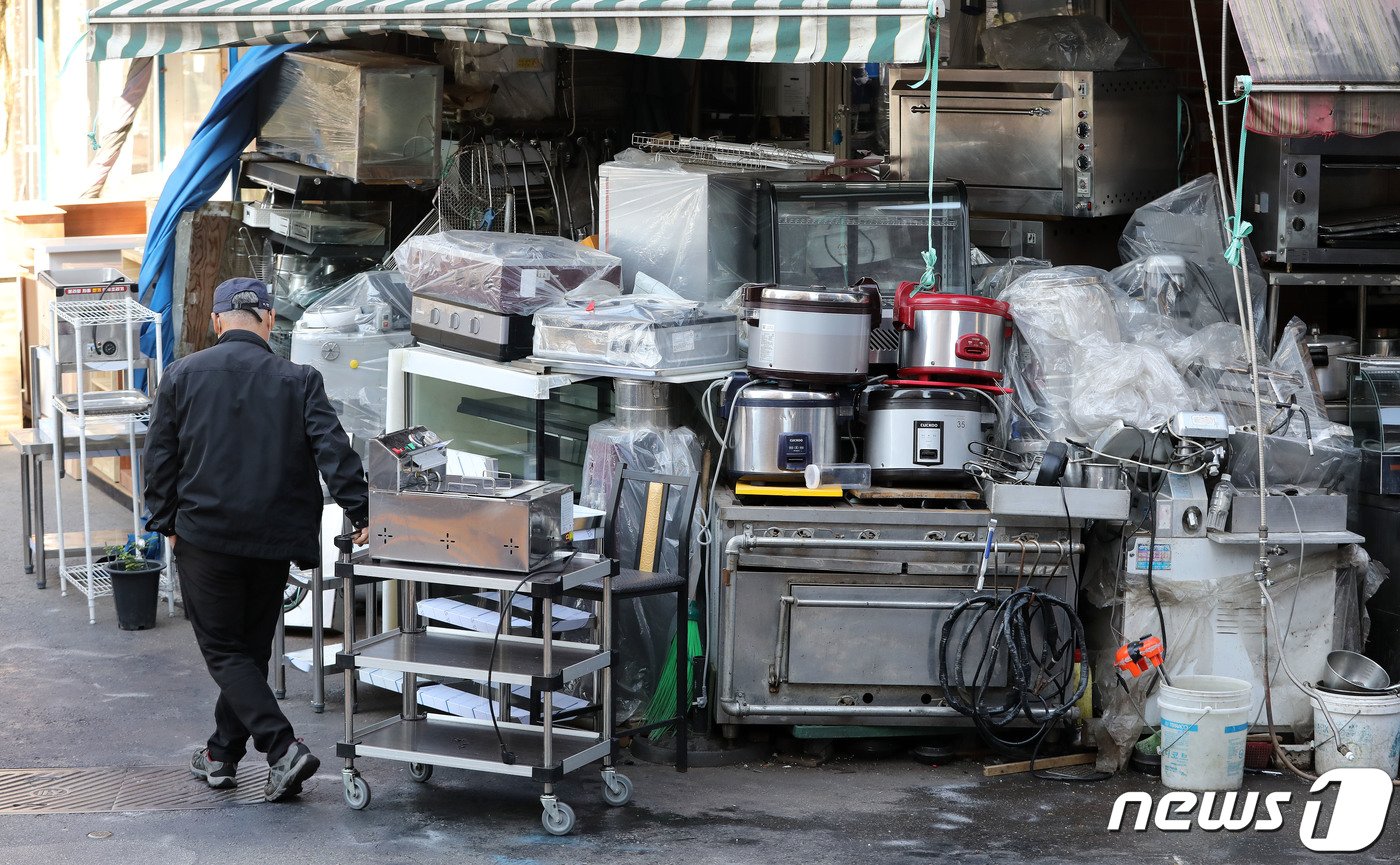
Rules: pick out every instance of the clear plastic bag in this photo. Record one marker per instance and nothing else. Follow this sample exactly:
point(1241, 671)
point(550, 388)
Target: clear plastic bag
point(1137, 384)
point(1359, 577)
point(1074, 42)
point(1174, 251)
point(1309, 419)
point(643, 629)
point(689, 226)
point(636, 332)
point(997, 278)
point(347, 335)
point(511, 82)
point(515, 274)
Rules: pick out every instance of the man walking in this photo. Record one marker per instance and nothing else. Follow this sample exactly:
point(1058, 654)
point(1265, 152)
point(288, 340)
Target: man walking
point(237, 439)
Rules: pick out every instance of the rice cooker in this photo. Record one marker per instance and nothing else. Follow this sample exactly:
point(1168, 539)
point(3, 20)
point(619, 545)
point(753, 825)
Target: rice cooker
point(810, 334)
point(921, 434)
point(776, 432)
point(950, 335)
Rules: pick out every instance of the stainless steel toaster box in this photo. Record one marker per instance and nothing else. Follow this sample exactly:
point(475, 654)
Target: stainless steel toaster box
point(419, 512)
point(1041, 143)
point(365, 115)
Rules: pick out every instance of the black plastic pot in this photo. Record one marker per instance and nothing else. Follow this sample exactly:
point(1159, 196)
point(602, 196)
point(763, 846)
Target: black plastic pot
point(136, 595)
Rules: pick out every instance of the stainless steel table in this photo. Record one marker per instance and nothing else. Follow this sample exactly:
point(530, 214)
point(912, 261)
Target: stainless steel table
point(35, 447)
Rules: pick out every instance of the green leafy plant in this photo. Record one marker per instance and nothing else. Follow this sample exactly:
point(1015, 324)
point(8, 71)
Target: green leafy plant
point(129, 557)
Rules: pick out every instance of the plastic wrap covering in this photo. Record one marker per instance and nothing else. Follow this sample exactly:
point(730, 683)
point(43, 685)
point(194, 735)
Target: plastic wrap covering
point(364, 115)
point(1197, 612)
point(691, 227)
point(636, 332)
point(1183, 268)
point(515, 274)
point(347, 335)
point(1359, 577)
point(1309, 419)
point(995, 280)
point(1074, 365)
point(644, 626)
point(508, 82)
point(1332, 468)
point(1074, 42)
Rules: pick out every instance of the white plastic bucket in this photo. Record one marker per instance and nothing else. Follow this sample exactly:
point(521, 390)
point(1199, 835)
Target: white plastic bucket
point(1205, 720)
point(1369, 725)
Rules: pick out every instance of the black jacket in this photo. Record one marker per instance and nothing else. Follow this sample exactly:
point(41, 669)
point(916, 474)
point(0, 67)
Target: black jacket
point(236, 440)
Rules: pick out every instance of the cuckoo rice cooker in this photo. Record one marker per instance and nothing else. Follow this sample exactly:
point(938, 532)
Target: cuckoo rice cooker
point(776, 432)
point(922, 434)
point(959, 336)
point(812, 333)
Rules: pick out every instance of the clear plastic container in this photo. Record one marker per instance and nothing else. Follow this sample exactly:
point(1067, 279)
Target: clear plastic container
point(850, 476)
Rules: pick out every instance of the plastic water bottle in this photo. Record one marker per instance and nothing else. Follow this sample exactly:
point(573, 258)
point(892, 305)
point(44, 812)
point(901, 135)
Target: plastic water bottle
point(1218, 513)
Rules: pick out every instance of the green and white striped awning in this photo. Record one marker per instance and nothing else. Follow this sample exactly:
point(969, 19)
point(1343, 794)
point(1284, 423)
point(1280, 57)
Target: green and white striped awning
point(765, 31)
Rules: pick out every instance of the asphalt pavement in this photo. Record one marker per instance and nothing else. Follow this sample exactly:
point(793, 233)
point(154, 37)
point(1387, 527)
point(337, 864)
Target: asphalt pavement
point(74, 694)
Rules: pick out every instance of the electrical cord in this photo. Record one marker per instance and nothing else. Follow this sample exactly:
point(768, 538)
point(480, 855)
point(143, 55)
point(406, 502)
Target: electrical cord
point(502, 620)
point(1037, 682)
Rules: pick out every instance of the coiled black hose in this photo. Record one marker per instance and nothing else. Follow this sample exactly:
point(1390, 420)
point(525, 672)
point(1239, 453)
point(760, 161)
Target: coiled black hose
point(1037, 635)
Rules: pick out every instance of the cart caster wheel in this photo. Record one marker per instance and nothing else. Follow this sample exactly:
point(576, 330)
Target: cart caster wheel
point(280, 695)
point(617, 789)
point(357, 793)
point(318, 709)
point(560, 821)
point(420, 772)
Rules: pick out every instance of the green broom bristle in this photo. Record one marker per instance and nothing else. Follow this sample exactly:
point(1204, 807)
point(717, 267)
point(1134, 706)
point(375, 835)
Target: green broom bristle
point(663, 699)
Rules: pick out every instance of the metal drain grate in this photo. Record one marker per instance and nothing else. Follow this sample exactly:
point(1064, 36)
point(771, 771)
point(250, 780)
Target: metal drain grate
point(133, 788)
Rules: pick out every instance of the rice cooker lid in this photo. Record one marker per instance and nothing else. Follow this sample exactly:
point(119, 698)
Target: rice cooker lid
point(1334, 343)
point(922, 399)
point(770, 396)
point(817, 296)
point(932, 300)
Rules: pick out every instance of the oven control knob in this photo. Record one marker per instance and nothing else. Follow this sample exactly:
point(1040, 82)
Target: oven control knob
point(475, 326)
point(109, 348)
point(435, 316)
point(1082, 130)
point(1083, 163)
point(454, 321)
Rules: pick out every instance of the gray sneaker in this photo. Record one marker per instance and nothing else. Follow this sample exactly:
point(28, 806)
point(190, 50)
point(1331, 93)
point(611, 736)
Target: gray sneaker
point(285, 777)
point(218, 775)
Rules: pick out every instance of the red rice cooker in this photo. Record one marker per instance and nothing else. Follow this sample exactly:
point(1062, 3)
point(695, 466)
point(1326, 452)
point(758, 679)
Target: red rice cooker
point(950, 335)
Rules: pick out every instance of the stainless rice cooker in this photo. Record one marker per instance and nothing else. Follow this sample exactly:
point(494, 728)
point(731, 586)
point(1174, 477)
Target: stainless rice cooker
point(810, 334)
point(922, 434)
point(950, 335)
point(776, 432)
point(1332, 375)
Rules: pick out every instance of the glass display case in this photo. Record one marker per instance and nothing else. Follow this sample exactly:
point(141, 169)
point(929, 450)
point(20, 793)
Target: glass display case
point(1374, 415)
point(833, 233)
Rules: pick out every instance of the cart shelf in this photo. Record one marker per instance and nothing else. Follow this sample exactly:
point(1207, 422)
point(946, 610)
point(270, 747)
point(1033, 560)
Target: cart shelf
point(90, 581)
point(467, 743)
point(550, 580)
point(467, 655)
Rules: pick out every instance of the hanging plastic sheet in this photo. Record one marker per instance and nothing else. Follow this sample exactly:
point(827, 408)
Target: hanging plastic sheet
point(644, 626)
point(1185, 269)
point(1074, 42)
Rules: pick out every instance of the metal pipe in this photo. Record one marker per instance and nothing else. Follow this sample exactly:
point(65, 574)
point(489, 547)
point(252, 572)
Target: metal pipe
point(753, 542)
point(742, 709)
point(1317, 87)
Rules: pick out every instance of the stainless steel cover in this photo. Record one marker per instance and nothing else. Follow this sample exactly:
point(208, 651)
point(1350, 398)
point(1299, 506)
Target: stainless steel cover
point(810, 333)
point(419, 512)
point(1047, 143)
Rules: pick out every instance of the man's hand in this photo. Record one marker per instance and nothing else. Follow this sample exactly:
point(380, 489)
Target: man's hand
point(170, 539)
point(361, 537)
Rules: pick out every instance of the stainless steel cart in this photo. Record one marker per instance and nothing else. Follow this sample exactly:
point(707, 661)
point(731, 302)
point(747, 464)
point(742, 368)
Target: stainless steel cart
point(542, 751)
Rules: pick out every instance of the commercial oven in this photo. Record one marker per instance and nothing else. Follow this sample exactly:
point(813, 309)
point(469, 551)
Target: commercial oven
point(811, 633)
point(1325, 200)
point(1041, 143)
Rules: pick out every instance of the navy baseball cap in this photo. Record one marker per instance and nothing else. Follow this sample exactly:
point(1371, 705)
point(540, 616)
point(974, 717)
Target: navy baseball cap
point(241, 292)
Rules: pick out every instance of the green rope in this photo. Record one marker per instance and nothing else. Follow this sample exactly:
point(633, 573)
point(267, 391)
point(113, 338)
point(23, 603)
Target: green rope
point(1239, 229)
point(928, 281)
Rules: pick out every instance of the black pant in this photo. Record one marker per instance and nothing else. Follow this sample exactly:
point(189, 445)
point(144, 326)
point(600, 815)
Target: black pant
point(233, 603)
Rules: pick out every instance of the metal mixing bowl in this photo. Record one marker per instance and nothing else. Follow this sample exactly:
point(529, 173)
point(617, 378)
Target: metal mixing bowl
point(1351, 671)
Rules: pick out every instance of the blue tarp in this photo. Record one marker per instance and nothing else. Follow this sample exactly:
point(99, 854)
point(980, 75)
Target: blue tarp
point(232, 122)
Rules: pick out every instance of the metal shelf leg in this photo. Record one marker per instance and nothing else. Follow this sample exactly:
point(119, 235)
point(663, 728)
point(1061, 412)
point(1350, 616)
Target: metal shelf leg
point(318, 643)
